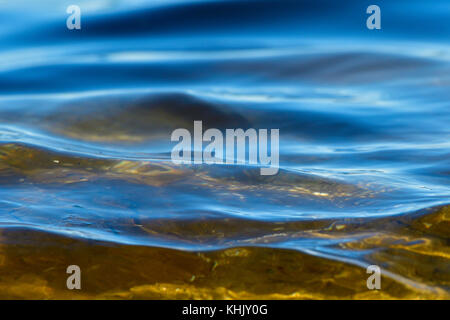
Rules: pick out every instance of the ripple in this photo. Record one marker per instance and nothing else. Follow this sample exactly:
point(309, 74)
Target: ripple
point(85, 170)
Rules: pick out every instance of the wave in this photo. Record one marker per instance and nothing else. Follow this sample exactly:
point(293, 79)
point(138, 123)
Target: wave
point(85, 125)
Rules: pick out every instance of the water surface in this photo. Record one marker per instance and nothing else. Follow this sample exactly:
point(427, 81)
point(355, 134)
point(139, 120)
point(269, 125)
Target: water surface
point(85, 170)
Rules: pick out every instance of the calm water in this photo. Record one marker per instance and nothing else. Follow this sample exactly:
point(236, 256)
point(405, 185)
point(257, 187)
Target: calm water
point(86, 118)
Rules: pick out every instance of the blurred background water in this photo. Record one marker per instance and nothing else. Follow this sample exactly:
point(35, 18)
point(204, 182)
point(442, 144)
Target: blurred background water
point(86, 117)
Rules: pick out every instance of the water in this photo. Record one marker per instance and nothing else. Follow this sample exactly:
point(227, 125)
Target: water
point(85, 171)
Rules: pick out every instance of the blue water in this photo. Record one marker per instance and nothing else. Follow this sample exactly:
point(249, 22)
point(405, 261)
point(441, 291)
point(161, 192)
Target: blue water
point(86, 116)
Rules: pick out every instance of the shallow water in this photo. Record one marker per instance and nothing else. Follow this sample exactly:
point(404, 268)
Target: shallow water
point(85, 170)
